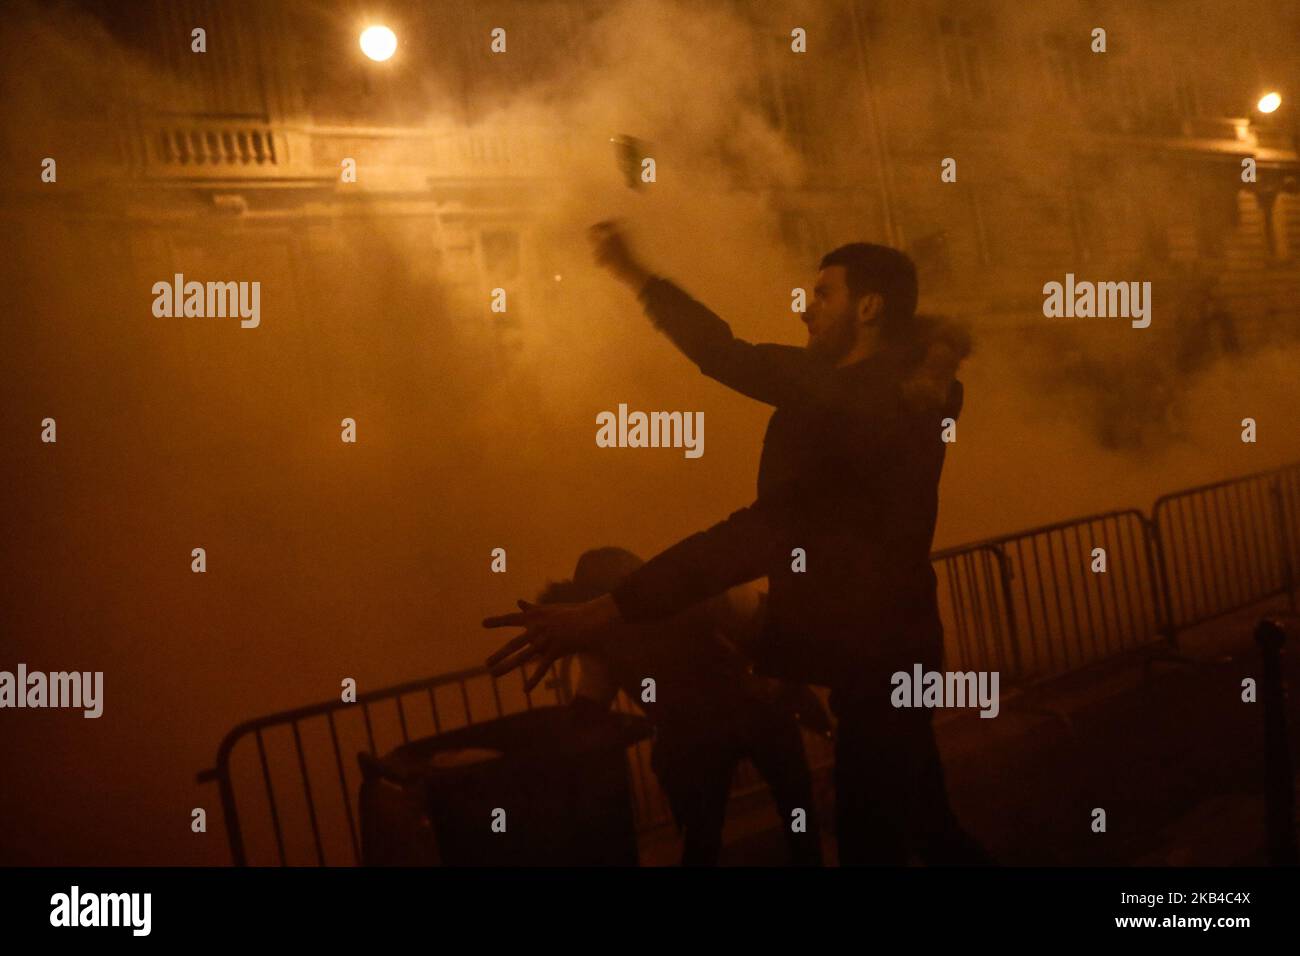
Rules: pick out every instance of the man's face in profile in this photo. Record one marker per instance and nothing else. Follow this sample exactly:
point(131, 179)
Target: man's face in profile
point(830, 317)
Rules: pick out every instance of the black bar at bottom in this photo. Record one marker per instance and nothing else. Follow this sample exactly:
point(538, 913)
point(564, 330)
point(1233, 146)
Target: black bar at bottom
point(812, 909)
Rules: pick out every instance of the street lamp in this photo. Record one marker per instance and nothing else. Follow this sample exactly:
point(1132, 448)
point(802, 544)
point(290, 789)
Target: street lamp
point(378, 42)
point(1269, 102)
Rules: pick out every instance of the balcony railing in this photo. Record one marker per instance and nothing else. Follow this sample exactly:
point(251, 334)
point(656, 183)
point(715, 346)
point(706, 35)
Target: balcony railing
point(206, 147)
point(202, 148)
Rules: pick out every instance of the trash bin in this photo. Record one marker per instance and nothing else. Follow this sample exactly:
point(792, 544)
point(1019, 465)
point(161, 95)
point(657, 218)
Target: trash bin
point(539, 788)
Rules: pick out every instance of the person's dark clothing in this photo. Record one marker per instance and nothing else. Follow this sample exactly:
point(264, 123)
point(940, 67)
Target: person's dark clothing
point(891, 801)
point(849, 473)
point(700, 680)
point(709, 714)
point(696, 772)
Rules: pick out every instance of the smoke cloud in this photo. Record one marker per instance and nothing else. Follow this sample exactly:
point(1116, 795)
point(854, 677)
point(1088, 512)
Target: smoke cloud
point(371, 561)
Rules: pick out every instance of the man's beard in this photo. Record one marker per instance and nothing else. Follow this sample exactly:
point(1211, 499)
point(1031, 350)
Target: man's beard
point(836, 342)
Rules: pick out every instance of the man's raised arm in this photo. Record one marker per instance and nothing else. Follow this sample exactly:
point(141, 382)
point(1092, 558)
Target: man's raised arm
point(774, 374)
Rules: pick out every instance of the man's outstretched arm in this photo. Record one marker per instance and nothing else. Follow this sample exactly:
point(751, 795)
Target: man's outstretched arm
point(740, 548)
point(745, 546)
point(775, 374)
point(733, 551)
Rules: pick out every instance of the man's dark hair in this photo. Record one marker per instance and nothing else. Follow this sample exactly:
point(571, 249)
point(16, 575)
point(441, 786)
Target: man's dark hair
point(889, 272)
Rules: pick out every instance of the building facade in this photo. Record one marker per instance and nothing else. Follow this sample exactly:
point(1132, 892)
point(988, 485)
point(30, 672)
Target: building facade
point(1125, 163)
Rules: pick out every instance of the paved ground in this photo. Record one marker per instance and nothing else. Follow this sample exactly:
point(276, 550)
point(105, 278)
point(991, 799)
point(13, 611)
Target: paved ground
point(1173, 756)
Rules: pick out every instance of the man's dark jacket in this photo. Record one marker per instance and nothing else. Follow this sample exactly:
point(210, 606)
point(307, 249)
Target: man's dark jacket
point(849, 474)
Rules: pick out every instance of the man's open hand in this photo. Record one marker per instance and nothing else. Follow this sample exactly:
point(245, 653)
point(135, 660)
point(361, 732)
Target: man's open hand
point(551, 631)
point(610, 248)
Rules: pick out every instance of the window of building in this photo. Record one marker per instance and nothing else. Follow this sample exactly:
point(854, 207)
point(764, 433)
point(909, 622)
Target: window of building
point(963, 63)
point(1279, 223)
point(1282, 248)
point(1216, 217)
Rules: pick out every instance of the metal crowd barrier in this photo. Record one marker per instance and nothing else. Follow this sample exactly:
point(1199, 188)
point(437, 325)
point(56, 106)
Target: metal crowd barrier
point(1028, 605)
point(974, 605)
point(1059, 614)
point(1228, 545)
point(302, 823)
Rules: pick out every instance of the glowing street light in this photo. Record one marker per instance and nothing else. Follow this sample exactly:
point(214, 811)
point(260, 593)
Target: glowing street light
point(378, 42)
point(1269, 102)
